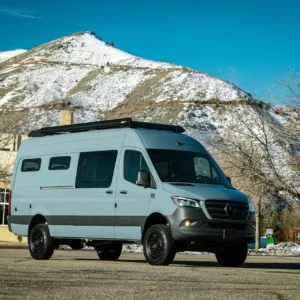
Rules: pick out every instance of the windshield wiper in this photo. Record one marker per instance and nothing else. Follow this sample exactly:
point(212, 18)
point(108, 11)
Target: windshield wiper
point(182, 183)
point(178, 181)
point(216, 183)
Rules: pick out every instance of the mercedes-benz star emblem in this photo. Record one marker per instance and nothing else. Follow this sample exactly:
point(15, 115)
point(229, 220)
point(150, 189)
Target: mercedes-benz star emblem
point(229, 209)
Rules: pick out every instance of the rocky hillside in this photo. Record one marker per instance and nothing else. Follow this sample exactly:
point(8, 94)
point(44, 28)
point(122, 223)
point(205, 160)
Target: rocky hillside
point(98, 81)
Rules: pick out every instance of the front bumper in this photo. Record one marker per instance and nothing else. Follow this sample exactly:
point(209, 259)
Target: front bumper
point(213, 231)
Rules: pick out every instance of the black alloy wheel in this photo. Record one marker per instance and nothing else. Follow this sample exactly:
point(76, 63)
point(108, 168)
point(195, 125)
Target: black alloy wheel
point(159, 246)
point(41, 244)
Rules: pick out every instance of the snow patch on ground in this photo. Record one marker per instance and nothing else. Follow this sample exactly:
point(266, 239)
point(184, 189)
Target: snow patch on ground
point(282, 249)
point(132, 248)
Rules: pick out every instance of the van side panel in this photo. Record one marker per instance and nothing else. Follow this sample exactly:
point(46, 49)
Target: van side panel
point(69, 211)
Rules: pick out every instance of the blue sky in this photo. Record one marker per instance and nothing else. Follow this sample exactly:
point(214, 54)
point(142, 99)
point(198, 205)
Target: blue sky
point(245, 42)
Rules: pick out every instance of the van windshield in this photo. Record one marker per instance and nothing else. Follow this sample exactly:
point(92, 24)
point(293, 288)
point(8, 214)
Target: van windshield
point(186, 166)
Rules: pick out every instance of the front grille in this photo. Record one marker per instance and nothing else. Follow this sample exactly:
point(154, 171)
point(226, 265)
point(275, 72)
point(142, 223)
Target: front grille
point(228, 210)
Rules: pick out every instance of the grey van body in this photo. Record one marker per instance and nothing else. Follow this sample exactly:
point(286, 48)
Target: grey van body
point(118, 208)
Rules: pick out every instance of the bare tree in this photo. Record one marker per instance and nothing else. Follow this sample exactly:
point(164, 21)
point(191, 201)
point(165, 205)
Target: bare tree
point(256, 153)
point(287, 90)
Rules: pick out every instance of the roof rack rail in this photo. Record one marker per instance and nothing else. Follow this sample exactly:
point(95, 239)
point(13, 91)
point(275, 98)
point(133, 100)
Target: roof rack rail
point(109, 124)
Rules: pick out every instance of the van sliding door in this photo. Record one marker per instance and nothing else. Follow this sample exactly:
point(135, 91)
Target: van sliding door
point(132, 200)
point(88, 210)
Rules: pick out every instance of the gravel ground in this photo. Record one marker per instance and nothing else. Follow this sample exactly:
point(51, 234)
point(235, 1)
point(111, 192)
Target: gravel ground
point(81, 275)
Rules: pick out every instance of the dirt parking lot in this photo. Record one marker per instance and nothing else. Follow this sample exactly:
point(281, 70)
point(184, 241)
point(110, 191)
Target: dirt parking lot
point(80, 274)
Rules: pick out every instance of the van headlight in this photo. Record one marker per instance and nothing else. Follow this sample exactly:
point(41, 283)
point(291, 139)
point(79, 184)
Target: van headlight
point(251, 205)
point(185, 202)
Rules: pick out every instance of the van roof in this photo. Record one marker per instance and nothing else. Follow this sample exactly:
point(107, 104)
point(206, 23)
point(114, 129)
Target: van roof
point(95, 140)
point(109, 124)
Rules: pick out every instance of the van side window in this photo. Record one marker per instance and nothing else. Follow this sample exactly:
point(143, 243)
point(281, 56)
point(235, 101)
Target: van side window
point(59, 163)
point(134, 162)
point(96, 169)
point(31, 165)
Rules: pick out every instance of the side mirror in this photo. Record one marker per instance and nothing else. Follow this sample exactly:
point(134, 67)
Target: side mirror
point(229, 179)
point(143, 178)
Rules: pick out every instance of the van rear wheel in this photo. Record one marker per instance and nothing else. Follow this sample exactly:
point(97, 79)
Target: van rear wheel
point(109, 251)
point(41, 244)
point(159, 246)
point(233, 256)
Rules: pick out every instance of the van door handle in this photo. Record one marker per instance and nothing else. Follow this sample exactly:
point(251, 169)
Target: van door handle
point(109, 192)
point(123, 192)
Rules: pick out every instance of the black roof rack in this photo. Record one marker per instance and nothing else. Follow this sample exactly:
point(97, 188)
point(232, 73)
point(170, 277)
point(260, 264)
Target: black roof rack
point(117, 123)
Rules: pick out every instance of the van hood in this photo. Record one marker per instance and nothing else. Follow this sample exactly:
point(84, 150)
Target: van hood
point(204, 191)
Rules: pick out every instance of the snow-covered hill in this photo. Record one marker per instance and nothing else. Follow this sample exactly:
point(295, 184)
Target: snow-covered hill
point(9, 54)
point(89, 73)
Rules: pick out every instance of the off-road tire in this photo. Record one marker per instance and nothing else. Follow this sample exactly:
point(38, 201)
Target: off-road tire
point(159, 246)
point(41, 244)
point(233, 256)
point(109, 251)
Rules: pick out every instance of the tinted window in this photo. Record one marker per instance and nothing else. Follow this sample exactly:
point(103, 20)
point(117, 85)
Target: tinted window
point(59, 163)
point(186, 166)
point(134, 162)
point(31, 165)
point(96, 169)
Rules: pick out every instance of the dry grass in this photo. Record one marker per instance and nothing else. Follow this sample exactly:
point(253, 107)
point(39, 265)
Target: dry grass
point(145, 91)
point(84, 84)
point(159, 112)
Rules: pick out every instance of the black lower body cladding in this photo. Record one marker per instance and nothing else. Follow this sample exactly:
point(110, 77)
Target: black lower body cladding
point(209, 230)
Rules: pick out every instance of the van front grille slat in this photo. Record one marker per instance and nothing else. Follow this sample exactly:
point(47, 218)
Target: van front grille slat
point(228, 210)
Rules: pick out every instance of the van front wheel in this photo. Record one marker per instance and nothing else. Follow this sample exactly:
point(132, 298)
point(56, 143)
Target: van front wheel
point(41, 244)
point(159, 246)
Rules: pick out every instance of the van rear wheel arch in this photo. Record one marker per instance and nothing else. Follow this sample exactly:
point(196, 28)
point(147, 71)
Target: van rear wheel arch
point(37, 219)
